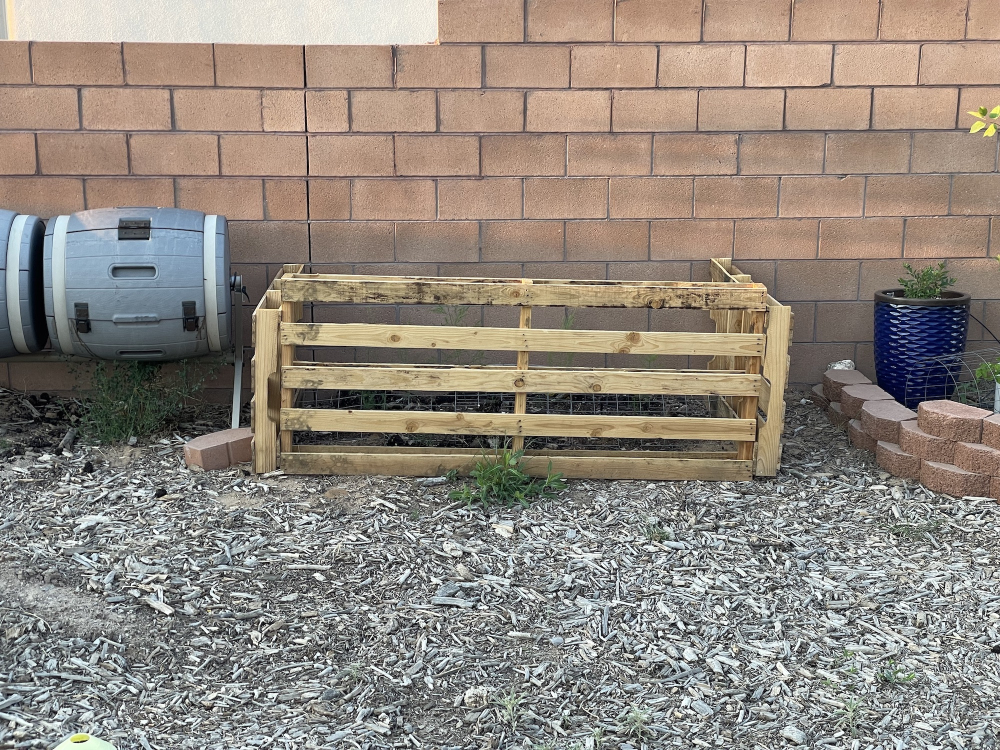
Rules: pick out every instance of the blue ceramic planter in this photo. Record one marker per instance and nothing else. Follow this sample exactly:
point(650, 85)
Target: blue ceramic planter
point(909, 335)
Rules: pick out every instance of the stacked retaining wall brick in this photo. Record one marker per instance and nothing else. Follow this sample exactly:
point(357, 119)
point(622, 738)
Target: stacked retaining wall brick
point(948, 446)
point(819, 143)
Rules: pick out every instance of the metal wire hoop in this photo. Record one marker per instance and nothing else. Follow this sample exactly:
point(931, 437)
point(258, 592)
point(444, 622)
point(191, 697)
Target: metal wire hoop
point(969, 378)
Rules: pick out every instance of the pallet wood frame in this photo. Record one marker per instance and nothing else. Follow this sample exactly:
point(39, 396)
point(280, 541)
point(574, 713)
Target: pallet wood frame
point(745, 379)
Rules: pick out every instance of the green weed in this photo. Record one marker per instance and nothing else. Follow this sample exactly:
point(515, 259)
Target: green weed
point(636, 723)
point(499, 480)
point(510, 708)
point(915, 530)
point(894, 674)
point(136, 399)
point(850, 715)
point(656, 533)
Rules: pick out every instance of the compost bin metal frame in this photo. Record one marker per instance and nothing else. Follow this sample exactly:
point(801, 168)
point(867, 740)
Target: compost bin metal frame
point(745, 380)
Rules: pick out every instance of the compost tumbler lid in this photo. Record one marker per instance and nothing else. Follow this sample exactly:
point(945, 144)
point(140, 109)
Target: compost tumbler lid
point(160, 218)
point(947, 299)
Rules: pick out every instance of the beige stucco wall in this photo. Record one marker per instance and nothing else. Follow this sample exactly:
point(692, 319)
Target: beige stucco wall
point(236, 21)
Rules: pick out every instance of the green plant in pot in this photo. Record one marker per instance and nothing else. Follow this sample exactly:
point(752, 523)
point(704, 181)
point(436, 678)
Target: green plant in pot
point(916, 325)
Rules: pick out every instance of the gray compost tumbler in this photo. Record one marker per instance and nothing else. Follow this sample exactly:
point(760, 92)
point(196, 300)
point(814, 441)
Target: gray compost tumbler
point(138, 283)
point(22, 319)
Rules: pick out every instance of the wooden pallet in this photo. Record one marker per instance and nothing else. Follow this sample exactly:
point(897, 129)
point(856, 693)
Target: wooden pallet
point(745, 379)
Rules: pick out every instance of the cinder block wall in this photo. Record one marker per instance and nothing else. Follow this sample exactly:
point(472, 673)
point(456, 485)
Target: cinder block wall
point(820, 143)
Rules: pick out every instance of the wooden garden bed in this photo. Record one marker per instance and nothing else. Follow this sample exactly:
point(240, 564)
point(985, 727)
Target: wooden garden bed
point(741, 389)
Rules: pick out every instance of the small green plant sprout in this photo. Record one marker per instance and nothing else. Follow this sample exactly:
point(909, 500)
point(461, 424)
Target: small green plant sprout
point(499, 480)
point(636, 723)
point(656, 533)
point(915, 530)
point(983, 121)
point(927, 283)
point(894, 674)
point(850, 715)
point(510, 708)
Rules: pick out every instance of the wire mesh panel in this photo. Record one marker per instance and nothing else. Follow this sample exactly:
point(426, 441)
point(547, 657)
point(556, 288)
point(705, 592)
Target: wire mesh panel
point(970, 378)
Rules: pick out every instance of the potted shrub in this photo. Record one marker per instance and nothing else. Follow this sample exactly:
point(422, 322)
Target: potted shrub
point(915, 325)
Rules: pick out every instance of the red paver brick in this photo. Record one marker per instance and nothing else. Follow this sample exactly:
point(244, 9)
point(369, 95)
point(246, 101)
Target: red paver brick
point(859, 438)
point(915, 441)
point(896, 461)
point(881, 419)
point(952, 421)
point(853, 397)
point(951, 480)
point(835, 380)
point(978, 458)
point(219, 450)
point(991, 431)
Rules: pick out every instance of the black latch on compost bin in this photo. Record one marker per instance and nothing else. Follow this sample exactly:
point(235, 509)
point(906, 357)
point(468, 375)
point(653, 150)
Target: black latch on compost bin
point(82, 312)
point(133, 229)
point(189, 312)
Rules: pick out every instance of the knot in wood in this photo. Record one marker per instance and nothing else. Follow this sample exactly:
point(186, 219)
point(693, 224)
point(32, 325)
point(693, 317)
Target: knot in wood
point(656, 303)
point(395, 338)
point(519, 383)
point(634, 337)
point(596, 387)
point(411, 426)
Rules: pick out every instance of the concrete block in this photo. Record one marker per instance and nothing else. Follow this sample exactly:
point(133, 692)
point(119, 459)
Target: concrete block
point(219, 450)
point(952, 421)
point(881, 419)
point(897, 462)
point(859, 438)
point(853, 397)
point(915, 441)
point(978, 458)
point(951, 480)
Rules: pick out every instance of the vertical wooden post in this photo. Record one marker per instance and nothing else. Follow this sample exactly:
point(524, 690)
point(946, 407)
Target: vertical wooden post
point(779, 334)
point(264, 368)
point(753, 322)
point(521, 399)
point(290, 312)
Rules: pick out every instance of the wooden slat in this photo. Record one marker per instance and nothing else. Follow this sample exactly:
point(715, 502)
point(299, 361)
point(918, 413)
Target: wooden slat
point(264, 369)
point(747, 405)
point(494, 280)
point(514, 339)
point(539, 425)
point(508, 380)
point(290, 312)
point(521, 398)
point(688, 295)
point(574, 467)
point(478, 453)
point(779, 334)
